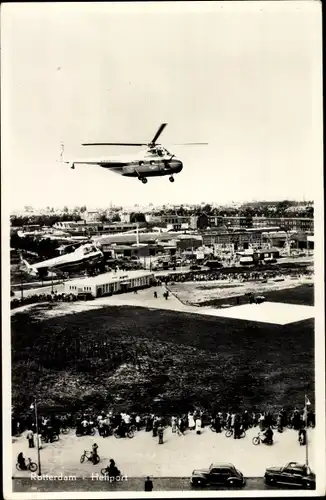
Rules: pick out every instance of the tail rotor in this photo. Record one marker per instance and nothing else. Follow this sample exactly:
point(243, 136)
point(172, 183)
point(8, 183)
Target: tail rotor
point(62, 160)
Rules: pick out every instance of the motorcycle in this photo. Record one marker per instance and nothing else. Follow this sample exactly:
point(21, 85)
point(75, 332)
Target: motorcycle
point(87, 431)
point(129, 433)
point(65, 430)
point(112, 474)
point(31, 466)
point(50, 438)
point(90, 457)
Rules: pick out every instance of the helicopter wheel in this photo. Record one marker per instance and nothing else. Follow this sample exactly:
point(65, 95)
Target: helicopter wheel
point(144, 180)
point(171, 179)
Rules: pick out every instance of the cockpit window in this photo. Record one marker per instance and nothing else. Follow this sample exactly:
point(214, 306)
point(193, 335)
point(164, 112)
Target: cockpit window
point(88, 250)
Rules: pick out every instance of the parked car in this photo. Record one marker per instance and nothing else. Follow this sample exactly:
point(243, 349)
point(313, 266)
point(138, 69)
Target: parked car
point(195, 267)
point(292, 474)
point(217, 474)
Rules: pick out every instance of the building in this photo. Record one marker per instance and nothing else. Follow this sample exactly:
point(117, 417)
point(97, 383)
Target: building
point(69, 225)
point(242, 239)
point(110, 283)
point(271, 253)
point(92, 216)
point(120, 227)
point(302, 224)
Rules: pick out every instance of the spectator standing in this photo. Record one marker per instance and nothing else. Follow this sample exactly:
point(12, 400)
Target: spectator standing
point(30, 438)
point(160, 432)
point(232, 420)
point(181, 425)
point(191, 421)
point(148, 484)
point(198, 425)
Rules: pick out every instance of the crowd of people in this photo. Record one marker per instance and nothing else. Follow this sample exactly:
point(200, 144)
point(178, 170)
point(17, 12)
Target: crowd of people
point(232, 277)
point(122, 423)
point(42, 297)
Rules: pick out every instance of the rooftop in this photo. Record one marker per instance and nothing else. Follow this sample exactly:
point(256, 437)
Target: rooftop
point(109, 277)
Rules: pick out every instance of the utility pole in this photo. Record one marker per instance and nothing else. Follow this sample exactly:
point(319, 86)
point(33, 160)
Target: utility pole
point(34, 407)
point(306, 402)
point(21, 286)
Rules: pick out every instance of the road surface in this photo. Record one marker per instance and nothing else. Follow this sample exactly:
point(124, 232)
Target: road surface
point(177, 457)
point(130, 484)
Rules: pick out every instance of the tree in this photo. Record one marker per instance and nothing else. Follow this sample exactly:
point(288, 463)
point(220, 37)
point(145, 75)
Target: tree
point(137, 217)
point(282, 206)
point(207, 209)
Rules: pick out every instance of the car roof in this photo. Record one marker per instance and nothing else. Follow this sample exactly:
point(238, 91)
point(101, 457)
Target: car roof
point(220, 465)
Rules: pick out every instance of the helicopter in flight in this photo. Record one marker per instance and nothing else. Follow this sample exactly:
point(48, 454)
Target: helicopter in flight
point(154, 161)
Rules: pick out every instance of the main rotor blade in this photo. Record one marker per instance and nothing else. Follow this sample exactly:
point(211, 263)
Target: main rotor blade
point(191, 144)
point(158, 133)
point(114, 144)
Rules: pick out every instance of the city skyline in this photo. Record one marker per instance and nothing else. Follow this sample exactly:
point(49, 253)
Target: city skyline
point(153, 206)
point(246, 78)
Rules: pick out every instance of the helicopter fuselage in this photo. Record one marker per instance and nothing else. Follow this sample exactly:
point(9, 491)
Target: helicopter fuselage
point(145, 168)
point(142, 166)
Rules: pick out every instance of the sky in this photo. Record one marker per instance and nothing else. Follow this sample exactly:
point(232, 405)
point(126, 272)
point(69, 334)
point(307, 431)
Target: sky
point(245, 77)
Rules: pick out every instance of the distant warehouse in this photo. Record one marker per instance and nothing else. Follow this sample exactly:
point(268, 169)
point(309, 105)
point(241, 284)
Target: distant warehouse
point(110, 283)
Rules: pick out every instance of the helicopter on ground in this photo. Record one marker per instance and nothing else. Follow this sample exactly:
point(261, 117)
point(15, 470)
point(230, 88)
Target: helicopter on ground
point(155, 161)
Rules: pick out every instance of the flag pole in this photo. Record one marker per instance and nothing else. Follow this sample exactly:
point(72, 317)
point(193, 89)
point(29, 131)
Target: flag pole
point(306, 425)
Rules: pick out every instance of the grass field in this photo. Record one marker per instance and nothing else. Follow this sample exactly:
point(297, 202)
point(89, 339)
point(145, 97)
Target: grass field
point(161, 360)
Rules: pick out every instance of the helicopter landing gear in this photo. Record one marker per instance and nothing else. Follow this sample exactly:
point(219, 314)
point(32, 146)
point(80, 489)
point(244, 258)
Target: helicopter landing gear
point(171, 178)
point(143, 179)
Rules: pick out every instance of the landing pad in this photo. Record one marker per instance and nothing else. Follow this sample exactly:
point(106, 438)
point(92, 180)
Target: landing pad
point(268, 312)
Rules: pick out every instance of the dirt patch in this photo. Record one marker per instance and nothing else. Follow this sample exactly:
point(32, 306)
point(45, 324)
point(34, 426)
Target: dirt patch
point(45, 310)
point(198, 293)
point(219, 287)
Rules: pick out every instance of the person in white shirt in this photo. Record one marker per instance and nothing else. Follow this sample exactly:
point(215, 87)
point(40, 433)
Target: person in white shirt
point(127, 419)
point(232, 420)
point(191, 421)
point(198, 426)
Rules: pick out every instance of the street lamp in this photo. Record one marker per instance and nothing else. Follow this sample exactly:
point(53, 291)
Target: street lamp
point(34, 407)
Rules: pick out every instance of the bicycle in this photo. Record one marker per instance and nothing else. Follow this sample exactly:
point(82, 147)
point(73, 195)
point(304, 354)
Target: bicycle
point(90, 457)
point(65, 430)
point(259, 439)
point(29, 466)
point(230, 432)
